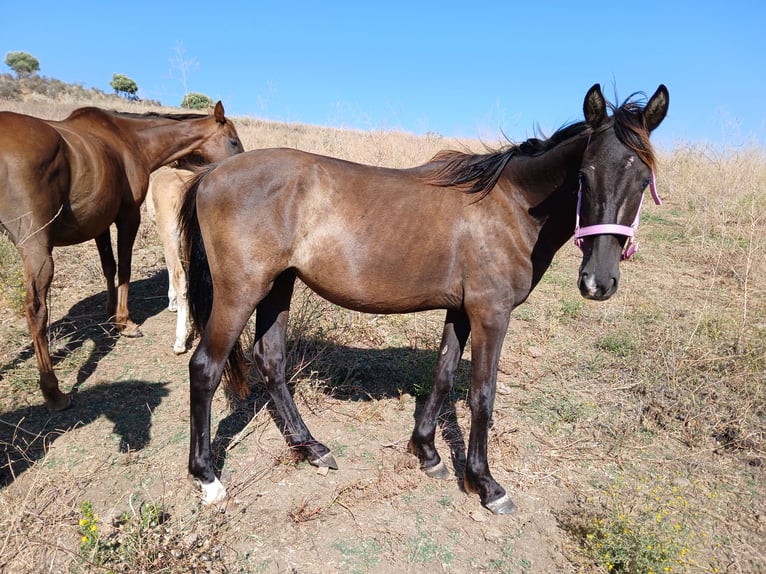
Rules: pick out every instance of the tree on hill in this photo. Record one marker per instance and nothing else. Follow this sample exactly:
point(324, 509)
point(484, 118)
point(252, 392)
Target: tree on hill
point(196, 101)
point(22, 63)
point(124, 86)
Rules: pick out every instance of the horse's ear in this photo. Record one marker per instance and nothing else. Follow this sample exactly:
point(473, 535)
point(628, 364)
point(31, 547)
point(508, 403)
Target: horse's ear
point(656, 108)
point(218, 112)
point(594, 107)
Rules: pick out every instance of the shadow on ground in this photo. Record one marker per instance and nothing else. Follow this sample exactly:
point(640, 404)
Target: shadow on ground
point(358, 375)
point(85, 321)
point(27, 433)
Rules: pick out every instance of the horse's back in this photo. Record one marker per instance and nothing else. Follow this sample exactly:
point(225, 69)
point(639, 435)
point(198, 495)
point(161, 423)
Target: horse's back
point(370, 238)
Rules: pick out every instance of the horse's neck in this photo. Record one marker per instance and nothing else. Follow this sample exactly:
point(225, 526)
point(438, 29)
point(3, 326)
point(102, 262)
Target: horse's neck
point(168, 141)
point(549, 183)
point(542, 177)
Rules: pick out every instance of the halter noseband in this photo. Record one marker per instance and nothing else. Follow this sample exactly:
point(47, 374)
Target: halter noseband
point(613, 228)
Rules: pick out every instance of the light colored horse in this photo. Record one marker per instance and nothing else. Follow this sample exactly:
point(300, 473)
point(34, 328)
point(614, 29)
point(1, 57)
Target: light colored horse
point(166, 189)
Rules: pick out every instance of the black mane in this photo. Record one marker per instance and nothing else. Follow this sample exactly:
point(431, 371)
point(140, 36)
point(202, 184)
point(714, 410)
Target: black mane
point(478, 173)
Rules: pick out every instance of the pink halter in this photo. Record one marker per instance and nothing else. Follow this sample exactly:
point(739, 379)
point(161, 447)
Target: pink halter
point(612, 228)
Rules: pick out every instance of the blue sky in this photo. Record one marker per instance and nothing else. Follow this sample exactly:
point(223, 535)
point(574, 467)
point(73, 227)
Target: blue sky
point(465, 69)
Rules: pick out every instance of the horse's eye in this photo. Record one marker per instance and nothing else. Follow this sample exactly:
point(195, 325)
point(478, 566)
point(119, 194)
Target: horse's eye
point(235, 143)
point(646, 183)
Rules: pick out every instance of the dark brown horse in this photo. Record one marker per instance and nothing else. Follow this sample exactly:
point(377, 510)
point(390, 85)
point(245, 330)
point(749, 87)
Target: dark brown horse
point(472, 234)
point(65, 182)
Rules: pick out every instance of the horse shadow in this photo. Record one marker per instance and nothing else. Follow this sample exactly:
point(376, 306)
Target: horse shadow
point(359, 375)
point(27, 433)
point(85, 321)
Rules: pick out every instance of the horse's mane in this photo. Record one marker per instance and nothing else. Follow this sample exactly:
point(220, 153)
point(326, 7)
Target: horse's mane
point(478, 173)
point(156, 115)
point(145, 115)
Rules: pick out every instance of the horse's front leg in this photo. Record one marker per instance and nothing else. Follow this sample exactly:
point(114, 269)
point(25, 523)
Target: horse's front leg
point(454, 337)
point(486, 344)
point(127, 228)
point(38, 271)
point(270, 357)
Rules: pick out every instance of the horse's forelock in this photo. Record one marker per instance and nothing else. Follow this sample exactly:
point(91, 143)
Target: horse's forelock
point(630, 128)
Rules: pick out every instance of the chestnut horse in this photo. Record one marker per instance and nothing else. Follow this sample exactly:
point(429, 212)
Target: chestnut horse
point(166, 188)
point(65, 182)
point(472, 234)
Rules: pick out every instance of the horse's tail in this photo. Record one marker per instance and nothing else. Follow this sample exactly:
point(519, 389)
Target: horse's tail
point(200, 283)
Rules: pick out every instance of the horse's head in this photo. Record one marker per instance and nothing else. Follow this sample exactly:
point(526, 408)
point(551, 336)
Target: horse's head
point(617, 166)
point(220, 142)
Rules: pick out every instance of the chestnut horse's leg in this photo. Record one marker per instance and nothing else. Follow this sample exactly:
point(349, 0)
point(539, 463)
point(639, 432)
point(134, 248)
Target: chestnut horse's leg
point(109, 269)
point(454, 337)
point(127, 229)
point(486, 343)
point(270, 357)
point(38, 271)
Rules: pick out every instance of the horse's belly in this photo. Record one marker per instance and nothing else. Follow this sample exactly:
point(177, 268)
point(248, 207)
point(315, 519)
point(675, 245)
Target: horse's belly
point(72, 227)
point(375, 292)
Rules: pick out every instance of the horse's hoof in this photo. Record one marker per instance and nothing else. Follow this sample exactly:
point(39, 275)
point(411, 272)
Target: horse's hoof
point(132, 332)
point(326, 460)
point(179, 349)
point(502, 505)
point(439, 470)
point(213, 493)
point(60, 403)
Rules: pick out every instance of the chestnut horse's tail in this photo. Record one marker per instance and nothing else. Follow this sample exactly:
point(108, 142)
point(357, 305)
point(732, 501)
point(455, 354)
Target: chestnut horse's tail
point(200, 284)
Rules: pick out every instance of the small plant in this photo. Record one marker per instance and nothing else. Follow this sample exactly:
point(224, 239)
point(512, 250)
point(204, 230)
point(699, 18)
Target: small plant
point(362, 556)
point(619, 344)
point(423, 549)
point(133, 539)
point(571, 307)
point(88, 529)
point(639, 531)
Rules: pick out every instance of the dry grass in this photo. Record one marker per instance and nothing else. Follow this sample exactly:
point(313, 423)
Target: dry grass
point(631, 431)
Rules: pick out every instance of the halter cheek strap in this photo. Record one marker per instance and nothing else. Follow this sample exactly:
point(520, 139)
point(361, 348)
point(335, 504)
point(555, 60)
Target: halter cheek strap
point(613, 228)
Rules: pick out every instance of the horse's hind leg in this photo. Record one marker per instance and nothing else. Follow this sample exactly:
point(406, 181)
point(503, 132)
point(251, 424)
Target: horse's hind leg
point(182, 329)
point(109, 269)
point(177, 285)
point(227, 320)
point(38, 270)
point(270, 356)
point(454, 337)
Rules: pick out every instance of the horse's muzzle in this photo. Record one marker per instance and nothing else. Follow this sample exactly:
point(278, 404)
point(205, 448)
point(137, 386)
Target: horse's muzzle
point(591, 288)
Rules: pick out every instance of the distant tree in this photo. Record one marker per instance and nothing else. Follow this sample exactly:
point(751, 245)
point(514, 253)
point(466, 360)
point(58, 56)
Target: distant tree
point(196, 101)
point(124, 86)
point(22, 63)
